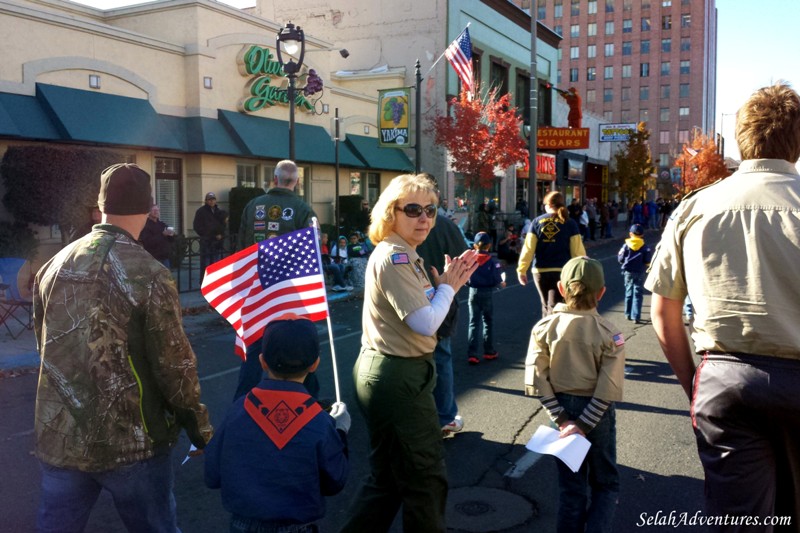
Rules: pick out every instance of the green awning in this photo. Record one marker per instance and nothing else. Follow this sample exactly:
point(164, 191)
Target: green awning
point(267, 137)
point(105, 118)
point(379, 158)
point(23, 117)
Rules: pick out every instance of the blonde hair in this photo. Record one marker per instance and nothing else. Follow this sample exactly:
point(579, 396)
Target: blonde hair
point(556, 200)
point(768, 124)
point(383, 215)
point(578, 298)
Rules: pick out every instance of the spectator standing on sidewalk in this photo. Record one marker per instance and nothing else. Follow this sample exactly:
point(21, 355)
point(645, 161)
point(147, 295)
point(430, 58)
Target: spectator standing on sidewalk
point(733, 248)
point(278, 211)
point(118, 380)
point(157, 238)
point(576, 367)
point(634, 259)
point(209, 224)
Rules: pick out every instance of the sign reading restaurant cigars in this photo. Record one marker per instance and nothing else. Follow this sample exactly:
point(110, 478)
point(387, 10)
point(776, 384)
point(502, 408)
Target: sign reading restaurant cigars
point(260, 63)
point(562, 138)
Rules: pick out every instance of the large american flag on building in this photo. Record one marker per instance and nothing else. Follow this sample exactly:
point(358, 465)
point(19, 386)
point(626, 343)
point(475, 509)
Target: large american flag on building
point(266, 280)
point(459, 53)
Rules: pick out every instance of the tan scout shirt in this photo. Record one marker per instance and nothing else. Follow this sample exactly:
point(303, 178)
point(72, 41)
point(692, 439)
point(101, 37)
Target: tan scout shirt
point(740, 240)
point(395, 286)
point(576, 352)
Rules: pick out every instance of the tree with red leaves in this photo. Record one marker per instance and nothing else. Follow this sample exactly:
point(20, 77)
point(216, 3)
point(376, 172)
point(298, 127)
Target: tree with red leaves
point(700, 163)
point(481, 136)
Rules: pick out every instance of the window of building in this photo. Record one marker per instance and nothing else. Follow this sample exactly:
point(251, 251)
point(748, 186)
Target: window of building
point(591, 73)
point(558, 77)
point(608, 116)
point(574, 52)
point(168, 194)
point(575, 30)
point(663, 137)
point(627, 26)
point(663, 114)
point(683, 136)
point(686, 20)
point(541, 12)
point(592, 7)
point(609, 6)
point(644, 70)
point(685, 66)
point(626, 115)
point(608, 94)
point(575, 9)
point(686, 44)
point(683, 111)
point(498, 76)
point(246, 175)
point(625, 94)
point(608, 73)
point(626, 71)
point(573, 74)
point(591, 95)
point(94, 81)
point(477, 56)
point(663, 160)
point(558, 29)
point(559, 55)
point(665, 91)
point(644, 92)
point(591, 51)
point(627, 48)
point(666, 3)
point(356, 184)
point(666, 45)
point(665, 68)
point(645, 23)
point(591, 29)
point(627, 5)
point(645, 4)
point(666, 22)
point(558, 10)
point(522, 94)
point(373, 187)
point(684, 90)
point(644, 115)
point(609, 49)
point(610, 27)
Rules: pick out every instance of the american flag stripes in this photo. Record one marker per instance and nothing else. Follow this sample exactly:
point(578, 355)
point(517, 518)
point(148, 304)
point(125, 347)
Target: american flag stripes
point(268, 279)
point(459, 53)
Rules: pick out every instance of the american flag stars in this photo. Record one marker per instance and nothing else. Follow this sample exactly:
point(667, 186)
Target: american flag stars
point(287, 257)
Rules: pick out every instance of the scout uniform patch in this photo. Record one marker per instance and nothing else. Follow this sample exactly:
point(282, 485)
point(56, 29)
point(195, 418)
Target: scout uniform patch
point(400, 259)
point(618, 340)
point(430, 292)
point(260, 212)
point(280, 414)
point(288, 213)
point(275, 212)
point(260, 226)
point(274, 226)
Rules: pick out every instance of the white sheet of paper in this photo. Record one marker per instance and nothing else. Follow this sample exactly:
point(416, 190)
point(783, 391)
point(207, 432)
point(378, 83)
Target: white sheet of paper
point(191, 449)
point(571, 450)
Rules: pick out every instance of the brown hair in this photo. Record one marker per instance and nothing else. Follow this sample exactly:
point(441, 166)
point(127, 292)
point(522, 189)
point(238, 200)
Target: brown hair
point(556, 200)
point(579, 298)
point(768, 124)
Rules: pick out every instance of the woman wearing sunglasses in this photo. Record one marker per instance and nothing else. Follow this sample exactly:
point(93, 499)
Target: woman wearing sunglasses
point(395, 371)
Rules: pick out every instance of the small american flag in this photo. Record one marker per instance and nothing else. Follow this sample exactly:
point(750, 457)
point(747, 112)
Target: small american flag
point(619, 340)
point(459, 53)
point(266, 280)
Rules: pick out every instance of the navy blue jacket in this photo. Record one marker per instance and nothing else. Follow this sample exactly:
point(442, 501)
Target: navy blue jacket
point(635, 255)
point(488, 274)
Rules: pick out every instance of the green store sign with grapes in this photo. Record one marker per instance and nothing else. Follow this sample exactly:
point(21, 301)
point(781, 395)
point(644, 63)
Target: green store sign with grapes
point(393, 118)
point(259, 63)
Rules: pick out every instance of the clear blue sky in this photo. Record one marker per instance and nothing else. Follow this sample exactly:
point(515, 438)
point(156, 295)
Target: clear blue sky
point(757, 44)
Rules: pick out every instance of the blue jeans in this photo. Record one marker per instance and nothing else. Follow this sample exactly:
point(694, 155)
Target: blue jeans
point(480, 321)
point(634, 294)
point(443, 393)
point(337, 271)
point(142, 493)
point(588, 497)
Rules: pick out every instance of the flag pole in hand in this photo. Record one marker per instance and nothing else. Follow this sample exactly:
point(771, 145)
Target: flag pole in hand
point(315, 223)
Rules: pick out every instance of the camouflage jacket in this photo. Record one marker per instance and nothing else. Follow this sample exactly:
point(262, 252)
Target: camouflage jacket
point(118, 378)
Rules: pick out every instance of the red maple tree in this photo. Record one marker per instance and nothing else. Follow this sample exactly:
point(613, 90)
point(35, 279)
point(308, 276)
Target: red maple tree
point(700, 163)
point(481, 136)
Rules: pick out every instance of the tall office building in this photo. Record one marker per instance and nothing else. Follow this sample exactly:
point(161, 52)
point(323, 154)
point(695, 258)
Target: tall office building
point(652, 61)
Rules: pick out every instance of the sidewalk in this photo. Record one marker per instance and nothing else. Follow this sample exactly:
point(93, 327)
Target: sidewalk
point(20, 354)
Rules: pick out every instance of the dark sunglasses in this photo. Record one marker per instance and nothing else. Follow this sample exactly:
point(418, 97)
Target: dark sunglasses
point(415, 210)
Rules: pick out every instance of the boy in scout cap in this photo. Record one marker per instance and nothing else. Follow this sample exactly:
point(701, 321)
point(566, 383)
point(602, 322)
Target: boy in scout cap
point(575, 366)
point(634, 258)
point(277, 453)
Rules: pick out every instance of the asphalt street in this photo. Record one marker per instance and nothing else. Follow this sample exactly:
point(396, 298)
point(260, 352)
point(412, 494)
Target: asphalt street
point(495, 485)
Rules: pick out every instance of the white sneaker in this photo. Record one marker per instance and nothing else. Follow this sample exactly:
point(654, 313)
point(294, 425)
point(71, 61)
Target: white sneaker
point(337, 288)
point(448, 430)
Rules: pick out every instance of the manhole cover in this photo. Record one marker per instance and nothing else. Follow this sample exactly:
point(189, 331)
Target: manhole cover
point(479, 509)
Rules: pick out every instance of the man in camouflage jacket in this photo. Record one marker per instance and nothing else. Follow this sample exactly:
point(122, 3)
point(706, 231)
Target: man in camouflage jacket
point(118, 378)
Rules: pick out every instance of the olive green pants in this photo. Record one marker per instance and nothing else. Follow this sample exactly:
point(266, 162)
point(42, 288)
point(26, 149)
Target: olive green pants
point(407, 456)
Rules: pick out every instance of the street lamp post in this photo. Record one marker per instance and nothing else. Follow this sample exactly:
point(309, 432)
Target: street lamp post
point(292, 40)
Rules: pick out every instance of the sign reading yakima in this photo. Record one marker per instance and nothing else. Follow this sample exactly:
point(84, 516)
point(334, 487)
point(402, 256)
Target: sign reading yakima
point(260, 63)
point(393, 112)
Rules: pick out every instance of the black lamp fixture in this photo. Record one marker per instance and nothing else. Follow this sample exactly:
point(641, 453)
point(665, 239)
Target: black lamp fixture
point(291, 40)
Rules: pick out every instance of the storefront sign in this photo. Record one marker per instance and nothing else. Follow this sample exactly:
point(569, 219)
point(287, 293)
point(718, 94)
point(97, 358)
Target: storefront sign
point(393, 115)
point(545, 168)
point(260, 63)
point(562, 138)
point(616, 132)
